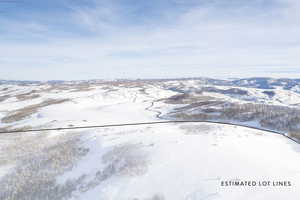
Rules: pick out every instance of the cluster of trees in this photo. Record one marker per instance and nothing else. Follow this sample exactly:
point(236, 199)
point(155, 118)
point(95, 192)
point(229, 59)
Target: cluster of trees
point(280, 118)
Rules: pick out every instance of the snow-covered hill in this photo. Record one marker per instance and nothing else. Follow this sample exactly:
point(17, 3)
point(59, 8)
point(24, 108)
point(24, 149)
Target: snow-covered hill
point(187, 162)
point(149, 162)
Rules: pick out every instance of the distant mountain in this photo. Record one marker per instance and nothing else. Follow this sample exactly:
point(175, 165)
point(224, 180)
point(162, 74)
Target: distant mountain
point(255, 82)
point(266, 83)
point(14, 82)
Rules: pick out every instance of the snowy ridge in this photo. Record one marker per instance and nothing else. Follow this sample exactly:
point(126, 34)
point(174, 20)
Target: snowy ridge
point(189, 161)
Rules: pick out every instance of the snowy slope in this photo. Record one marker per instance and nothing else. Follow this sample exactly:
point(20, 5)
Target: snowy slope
point(186, 162)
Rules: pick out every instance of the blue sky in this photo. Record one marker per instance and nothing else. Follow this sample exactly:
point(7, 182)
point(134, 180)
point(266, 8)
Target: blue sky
point(90, 39)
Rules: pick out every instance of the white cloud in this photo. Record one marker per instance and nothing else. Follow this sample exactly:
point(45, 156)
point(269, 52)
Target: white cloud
point(201, 41)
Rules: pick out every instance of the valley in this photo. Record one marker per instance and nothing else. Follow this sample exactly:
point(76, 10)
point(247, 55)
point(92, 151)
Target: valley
point(149, 161)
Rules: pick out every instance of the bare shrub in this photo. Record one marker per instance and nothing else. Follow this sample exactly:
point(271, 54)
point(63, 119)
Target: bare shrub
point(125, 160)
point(295, 135)
point(28, 96)
point(38, 162)
point(22, 113)
point(280, 118)
point(4, 97)
point(187, 99)
point(196, 129)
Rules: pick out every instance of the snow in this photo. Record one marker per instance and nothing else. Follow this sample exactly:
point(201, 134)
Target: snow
point(170, 161)
point(191, 166)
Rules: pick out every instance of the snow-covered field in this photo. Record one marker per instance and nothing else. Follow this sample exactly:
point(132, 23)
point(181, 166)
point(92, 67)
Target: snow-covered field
point(189, 161)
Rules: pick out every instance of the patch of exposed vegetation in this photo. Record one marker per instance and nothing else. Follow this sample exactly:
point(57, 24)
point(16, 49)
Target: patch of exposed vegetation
point(196, 129)
point(5, 89)
point(295, 134)
point(126, 160)
point(231, 91)
point(4, 97)
point(27, 111)
point(187, 99)
point(270, 94)
point(280, 118)
point(12, 128)
point(5, 128)
point(28, 96)
point(38, 160)
point(82, 87)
